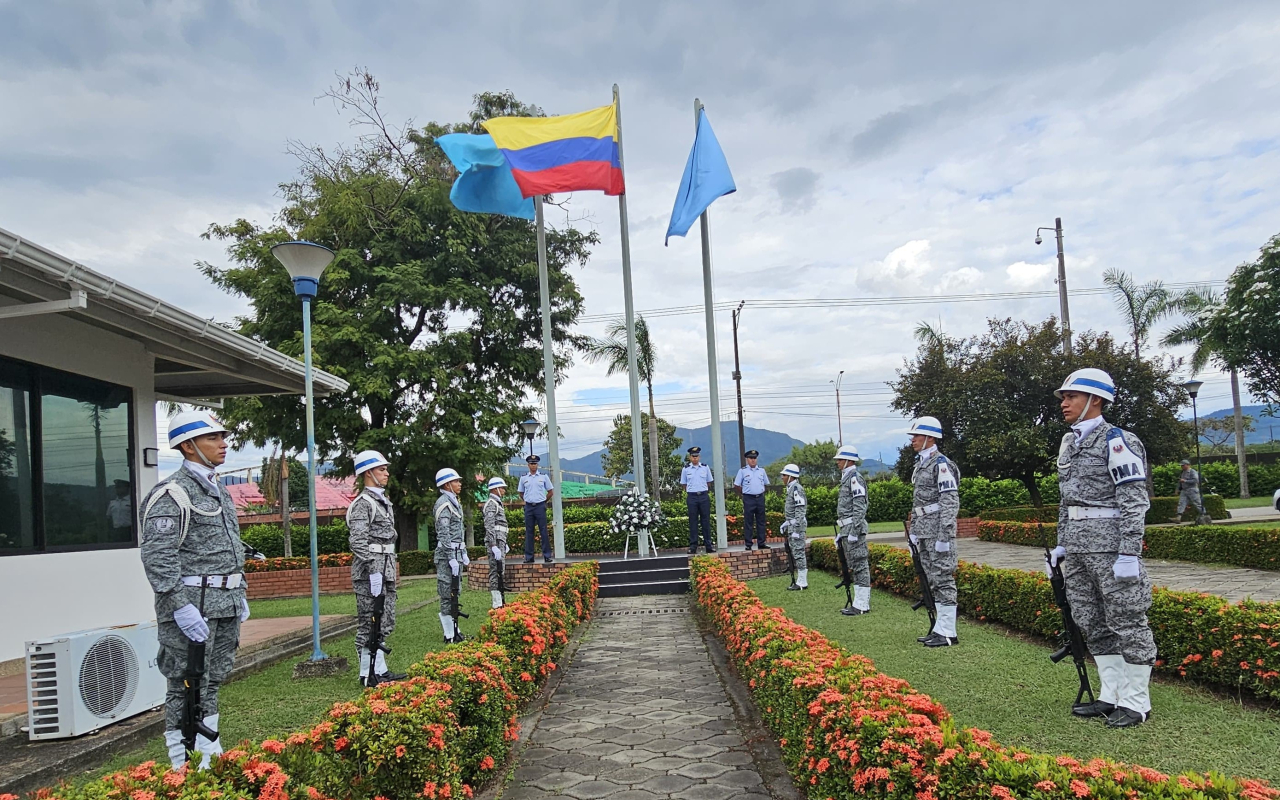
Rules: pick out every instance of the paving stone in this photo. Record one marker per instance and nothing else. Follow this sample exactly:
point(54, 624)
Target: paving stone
point(593, 790)
point(738, 779)
point(559, 780)
point(703, 769)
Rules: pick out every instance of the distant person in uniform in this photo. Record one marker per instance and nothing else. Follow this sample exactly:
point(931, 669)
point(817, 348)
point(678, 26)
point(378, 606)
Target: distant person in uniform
point(751, 482)
point(535, 489)
point(795, 509)
point(1189, 491)
point(495, 537)
point(696, 479)
point(120, 509)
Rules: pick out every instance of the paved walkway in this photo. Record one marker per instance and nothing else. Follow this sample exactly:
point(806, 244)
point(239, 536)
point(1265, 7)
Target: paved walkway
point(1233, 583)
point(641, 714)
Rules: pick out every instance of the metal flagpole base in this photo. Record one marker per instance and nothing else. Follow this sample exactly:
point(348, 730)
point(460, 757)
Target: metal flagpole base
point(322, 668)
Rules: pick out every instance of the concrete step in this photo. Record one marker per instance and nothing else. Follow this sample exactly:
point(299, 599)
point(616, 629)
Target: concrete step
point(636, 562)
point(645, 576)
point(637, 589)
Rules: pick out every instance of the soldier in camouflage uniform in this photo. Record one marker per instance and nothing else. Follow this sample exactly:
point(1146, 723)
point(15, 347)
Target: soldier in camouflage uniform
point(851, 529)
point(495, 536)
point(1189, 492)
point(935, 502)
point(1101, 521)
point(451, 548)
point(194, 560)
point(372, 535)
point(796, 524)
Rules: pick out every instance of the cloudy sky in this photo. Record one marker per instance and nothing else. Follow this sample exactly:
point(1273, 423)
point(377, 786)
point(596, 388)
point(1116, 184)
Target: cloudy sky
point(881, 150)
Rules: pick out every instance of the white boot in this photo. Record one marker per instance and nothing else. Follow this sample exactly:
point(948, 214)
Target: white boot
point(497, 598)
point(380, 663)
point(446, 622)
point(208, 750)
point(862, 598)
point(1111, 677)
point(177, 751)
point(946, 622)
point(802, 578)
point(1137, 695)
point(364, 666)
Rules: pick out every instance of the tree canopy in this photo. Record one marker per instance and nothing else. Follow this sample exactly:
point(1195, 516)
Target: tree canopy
point(1247, 322)
point(816, 460)
point(616, 460)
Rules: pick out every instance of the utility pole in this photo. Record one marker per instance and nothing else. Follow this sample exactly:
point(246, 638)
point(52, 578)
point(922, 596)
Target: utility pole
point(737, 378)
point(839, 421)
point(1062, 286)
point(286, 518)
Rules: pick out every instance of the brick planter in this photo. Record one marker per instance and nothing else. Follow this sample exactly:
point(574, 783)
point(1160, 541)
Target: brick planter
point(967, 528)
point(520, 577)
point(748, 564)
point(297, 582)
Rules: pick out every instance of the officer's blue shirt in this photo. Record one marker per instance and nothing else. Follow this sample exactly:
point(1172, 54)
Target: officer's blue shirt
point(752, 480)
point(695, 479)
point(535, 487)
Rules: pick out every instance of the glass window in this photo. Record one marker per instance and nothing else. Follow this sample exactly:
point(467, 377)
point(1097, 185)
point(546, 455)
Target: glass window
point(17, 515)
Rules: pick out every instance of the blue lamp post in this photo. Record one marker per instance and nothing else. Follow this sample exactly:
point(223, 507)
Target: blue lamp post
point(305, 262)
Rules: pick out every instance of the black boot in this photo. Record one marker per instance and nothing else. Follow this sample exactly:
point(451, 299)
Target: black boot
point(795, 587)
point(388, 677)
point(1126, 718)
point(850, 611)
point(938, 640)
point(1097, 708)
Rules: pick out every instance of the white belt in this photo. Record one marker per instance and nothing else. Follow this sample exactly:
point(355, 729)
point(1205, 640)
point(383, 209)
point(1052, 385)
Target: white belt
point(840, 523)
point(215, 581)
point(385, 549)
point(1092, 512)
point(922, 511)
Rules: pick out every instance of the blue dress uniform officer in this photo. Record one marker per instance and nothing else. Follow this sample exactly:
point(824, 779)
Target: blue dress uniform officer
point(1101, 523)
point(696, 479)
point(535, 488)
point(751, 482)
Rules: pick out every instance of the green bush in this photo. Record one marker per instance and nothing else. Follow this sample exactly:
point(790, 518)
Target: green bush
point(1163, 509)
point(269, 539)
point(1199, 636)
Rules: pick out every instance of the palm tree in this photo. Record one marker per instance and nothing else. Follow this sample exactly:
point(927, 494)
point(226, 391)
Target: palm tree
point(927, 334)
point(612, 350)
point(1198, 306)
point(1141, 306)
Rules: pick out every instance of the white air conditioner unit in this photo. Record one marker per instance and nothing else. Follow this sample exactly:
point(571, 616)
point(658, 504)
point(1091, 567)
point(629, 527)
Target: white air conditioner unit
point(83, 681)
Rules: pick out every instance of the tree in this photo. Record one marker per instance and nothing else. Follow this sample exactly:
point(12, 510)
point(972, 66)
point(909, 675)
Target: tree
point(1247, 322)
point(993, 394)
point(1218, 430)
point(612, 350)
point(616, 461)
point(816, 460)
point(432, 315)
point(1141, 306)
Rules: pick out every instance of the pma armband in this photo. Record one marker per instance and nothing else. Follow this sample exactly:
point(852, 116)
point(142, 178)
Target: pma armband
point(1122, 462)
point(946, 477)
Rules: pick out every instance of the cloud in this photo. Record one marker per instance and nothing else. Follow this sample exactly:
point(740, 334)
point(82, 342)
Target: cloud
point(796, 188)
point(1030, 276)
point(903, 271)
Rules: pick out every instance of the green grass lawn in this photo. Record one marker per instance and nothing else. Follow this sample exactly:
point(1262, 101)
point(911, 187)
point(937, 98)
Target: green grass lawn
point(1005, 685)
point(829, 531)
point(270, 703)
point(1252, 502)
point(410, 590)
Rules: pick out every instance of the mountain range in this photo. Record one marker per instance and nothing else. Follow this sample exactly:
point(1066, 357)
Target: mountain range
point(1264, 428)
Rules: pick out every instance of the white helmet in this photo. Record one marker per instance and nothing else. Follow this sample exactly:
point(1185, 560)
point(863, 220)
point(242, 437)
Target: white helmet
point(1089, 381)
point(369, 459)
point(497, 483)
point(189, 424)
point(791, 470)
point(445, 475)
point(927, 426)
point(848, 453)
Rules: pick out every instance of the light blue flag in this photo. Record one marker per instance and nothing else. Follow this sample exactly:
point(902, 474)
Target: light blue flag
point(706, 177)
point(485, 184)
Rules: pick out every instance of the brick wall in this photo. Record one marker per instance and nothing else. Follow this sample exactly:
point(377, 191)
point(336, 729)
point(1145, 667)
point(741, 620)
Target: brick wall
point(745, 565)
point(520, 577)
point(297, 582)
point(967, 528)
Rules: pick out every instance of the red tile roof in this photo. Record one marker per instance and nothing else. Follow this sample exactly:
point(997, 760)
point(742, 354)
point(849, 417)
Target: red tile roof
point(330, 493)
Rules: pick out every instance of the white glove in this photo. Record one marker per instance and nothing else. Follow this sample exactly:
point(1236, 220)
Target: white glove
point(244, 610)
point(1126, 568)
point(783, 527)
point(797, 536)
point(453, 566)
point(375, 583)
point(497, 552)
point(941, 547)
point(913, 539)
point(506, 548)
point(839, 536)
point(466, 559)
point(1056, 555)
point(191, 623)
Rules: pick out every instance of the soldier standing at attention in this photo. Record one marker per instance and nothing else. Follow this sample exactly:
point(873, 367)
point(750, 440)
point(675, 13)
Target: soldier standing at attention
point(372, 535)
point(495, 536)
point(1189, 491)
point(935, 504)
point(194, 560)
point(535, 488)
point(451, 547)
point(751, 482)
point(851, 528)
point(1101, 521)
point(796, 525)
point(696, 479)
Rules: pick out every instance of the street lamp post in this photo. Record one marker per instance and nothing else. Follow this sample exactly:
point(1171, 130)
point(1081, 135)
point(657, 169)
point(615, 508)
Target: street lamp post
point(1062, 285)
point(737, 378)
point(305, 262)
point(1193, 388)
point(530, 428)
point(839, 421)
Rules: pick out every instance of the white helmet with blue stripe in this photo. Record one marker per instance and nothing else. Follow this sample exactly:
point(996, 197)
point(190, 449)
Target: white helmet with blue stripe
point(848, 453)
point(445, 476)
point(369, 459)
point(497, 483)
point(791, 471)
point(926, 426)
point(1089, 381)
point(189, 424)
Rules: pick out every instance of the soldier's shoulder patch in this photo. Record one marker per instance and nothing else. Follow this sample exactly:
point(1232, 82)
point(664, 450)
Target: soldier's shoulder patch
point(1124, 465)
point(856, 489)
point(163, 524)
point(946, 477)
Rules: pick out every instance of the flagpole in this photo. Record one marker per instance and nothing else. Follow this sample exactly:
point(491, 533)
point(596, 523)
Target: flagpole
point(549, 369)
point(633, 371)
point(713, 372)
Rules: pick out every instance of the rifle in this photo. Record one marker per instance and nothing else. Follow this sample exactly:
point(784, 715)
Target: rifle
point(455, 606)
point(501, 565)
point(1071, 639)
point(926, 593)
point(192, 722)
point(844, 572)
point(376, 640)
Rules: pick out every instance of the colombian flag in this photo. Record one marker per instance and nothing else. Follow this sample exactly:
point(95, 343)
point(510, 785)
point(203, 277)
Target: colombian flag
point(575, 152)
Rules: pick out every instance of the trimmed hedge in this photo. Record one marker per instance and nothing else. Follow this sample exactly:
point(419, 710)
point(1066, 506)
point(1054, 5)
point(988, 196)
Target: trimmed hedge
point(1222, 477)
point(304, 562)
point(438, 734)
point(269, 539)
point(1199, 636)
point(1163, 509)
point(1258, 548)
point(849, 731)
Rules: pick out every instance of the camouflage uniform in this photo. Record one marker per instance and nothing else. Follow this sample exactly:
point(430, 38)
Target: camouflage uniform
point(190, 531)
point(1101, 517)
point(495, 535)
point(1189, 492)
point(450, 544)
point(935, 504)
point(851, 525)
point(372, 534)
point(794, 514)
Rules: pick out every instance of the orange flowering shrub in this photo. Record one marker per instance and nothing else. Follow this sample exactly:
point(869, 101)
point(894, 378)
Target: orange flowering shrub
point(437, 734)
point(303, 562)
point(849, 731)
